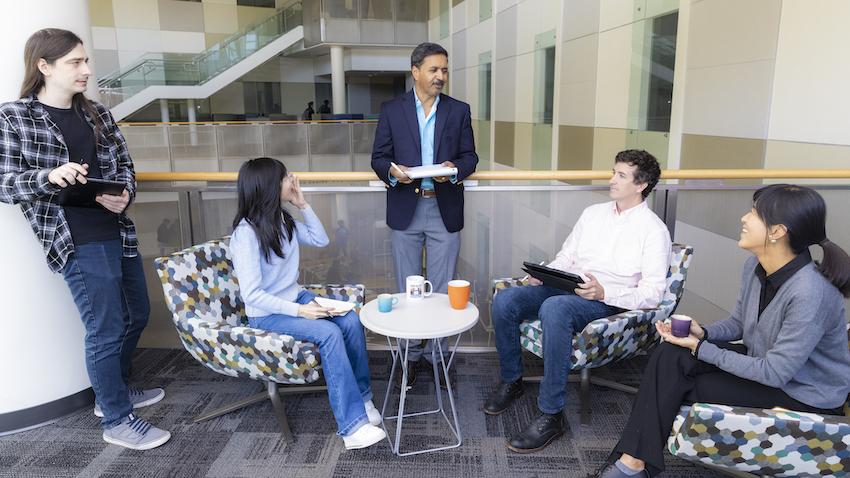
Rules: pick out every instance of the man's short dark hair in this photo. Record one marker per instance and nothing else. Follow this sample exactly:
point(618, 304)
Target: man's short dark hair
point(648, 170)
point(424, 50)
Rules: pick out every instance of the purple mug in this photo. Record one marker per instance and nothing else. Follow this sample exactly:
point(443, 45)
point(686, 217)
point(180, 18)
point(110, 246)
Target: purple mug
point(680, 325)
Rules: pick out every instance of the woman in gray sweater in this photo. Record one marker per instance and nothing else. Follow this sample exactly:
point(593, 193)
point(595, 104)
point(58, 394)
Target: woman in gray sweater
point(789, 316)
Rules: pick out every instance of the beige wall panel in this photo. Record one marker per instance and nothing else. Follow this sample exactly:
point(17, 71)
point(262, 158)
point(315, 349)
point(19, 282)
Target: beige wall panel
point(479, 39)
point(459, 84)
point(458, 56)
point(655, 8)
point(716, 152)
point(504, 87)
point(297, 70)
point(103, 38)
point(534, 17)
point(183, 42)
point(181, 16)
point(502, 5)
point(506, 38)
point(575, 147)
point(252, 15)
point(138, 40)
point(523, 137)
point(128, 57)
point(578, 81)
point(581, 17)
point(655, 142)
point(504, 145)
point(811, 98)
point(791, 155)
point(220, 18)
point(220, 2)
point(613, 74)
point(295, 97)
point(731, 31)
point(459, 17)
point(101, 14)
point(616, 13)
point(607, 142)
point(267, 72)
point(136, 14)
point(523, 94)
point(730, 100)
point(211, 39)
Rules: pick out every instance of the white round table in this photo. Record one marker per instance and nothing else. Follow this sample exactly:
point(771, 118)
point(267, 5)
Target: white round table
point(428, 318)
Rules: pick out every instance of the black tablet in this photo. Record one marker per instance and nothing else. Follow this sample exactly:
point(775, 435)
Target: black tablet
point(553, 277)
point(83, 194)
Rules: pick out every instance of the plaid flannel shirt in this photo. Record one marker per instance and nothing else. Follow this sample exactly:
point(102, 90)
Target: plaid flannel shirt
point(31, 145)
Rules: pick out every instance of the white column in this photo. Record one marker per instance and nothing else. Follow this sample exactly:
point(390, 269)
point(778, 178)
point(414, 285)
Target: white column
point(164, 116)
point(338, 80)
point(41, 336)
point(193, 129)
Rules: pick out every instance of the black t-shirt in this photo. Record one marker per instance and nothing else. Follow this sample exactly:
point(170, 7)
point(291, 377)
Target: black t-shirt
point(87, 224)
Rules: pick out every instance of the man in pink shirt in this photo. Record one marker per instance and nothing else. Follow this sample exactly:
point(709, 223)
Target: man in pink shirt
point(623, 250)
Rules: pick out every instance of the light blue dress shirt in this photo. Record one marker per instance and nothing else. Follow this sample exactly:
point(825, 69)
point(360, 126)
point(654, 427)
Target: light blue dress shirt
point(426, 135)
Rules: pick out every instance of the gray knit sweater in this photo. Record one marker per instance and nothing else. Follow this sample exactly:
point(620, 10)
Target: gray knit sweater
point(800, 343)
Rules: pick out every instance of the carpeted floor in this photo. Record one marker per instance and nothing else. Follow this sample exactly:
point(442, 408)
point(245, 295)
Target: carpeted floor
point(246, 443)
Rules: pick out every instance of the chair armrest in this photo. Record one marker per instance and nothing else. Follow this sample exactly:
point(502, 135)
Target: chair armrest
point(345, 292)
point(506, 282)
point(615, 337)
point(769, 442)
point(248, 352)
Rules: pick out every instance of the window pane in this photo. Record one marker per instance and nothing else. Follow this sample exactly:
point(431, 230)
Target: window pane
point(662, 62)
point(376, 9)
point(340, 8)
point(411, 11)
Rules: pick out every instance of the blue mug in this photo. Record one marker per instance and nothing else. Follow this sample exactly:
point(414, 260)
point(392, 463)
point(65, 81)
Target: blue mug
point(386, 302)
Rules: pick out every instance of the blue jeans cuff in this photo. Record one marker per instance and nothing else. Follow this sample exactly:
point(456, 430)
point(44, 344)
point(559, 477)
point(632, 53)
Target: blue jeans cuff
point(354, 425)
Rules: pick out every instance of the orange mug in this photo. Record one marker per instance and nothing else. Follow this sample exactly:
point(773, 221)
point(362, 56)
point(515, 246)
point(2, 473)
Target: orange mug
point(459, 294)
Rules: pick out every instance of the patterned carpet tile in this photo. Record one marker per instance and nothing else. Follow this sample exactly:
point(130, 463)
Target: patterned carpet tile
point(247, 442)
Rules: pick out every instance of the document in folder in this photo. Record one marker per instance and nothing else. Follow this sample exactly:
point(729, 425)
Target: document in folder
point(553, 277)
point(431, 171)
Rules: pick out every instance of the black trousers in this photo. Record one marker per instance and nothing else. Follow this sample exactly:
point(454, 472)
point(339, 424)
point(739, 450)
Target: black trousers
point(674, 377)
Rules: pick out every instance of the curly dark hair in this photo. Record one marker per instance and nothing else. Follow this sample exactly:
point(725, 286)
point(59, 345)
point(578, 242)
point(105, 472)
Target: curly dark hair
point(648, 169)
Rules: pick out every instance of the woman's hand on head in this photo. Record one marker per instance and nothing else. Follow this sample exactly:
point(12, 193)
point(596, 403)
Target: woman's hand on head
point(297, 198)
point(313, 311)
point(665, 330)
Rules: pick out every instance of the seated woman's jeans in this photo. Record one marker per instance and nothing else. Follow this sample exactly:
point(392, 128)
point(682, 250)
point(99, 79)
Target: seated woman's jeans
point(345, 365)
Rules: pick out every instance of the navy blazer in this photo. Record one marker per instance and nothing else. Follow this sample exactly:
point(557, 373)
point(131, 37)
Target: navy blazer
point(397, 140)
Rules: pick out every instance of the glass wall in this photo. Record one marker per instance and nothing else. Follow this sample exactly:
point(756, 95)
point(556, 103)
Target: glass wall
point(370, 22)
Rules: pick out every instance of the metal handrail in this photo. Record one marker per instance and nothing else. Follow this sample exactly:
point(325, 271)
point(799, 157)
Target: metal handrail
point(254, 122)
point(524, 175)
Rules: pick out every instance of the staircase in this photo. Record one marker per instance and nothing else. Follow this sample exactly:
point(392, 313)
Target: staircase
point(176, 76)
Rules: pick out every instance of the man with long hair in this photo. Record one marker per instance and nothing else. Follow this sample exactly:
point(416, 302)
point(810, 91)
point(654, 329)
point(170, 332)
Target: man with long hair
point(54, 138)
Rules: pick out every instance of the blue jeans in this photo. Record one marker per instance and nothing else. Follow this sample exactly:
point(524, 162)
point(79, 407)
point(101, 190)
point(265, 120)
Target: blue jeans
point(112, 297)
point(561, 314)
point(342, 346)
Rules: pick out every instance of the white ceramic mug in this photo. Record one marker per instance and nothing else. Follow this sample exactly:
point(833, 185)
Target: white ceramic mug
point(416, 289)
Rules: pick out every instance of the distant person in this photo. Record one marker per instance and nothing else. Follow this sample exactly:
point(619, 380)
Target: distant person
point(325, 109)
point(265, 247)
point(424, 127)
point(784, 344)
point(162, 235)
point(51, 139)
point(341, 237)
point(307, 115)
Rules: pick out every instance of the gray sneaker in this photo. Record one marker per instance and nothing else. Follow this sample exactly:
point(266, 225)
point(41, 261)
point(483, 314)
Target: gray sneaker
point(139, 398)
point(135, 433)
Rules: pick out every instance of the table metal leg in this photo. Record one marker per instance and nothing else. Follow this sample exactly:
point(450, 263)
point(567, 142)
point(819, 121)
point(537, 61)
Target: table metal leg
point(400, 357)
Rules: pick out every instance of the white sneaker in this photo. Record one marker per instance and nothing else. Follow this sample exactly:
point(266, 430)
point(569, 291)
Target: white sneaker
point(373, 413)
point(139, 398)
point(136, 434)
point(367, 435)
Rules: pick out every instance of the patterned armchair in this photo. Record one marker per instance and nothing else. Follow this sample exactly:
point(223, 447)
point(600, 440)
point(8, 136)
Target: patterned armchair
point(611, 338)
point(763, 442)
point(202, 293)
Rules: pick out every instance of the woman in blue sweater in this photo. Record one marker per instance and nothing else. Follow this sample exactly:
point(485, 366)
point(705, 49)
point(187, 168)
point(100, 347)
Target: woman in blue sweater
point(265, 248)
point(789, 316)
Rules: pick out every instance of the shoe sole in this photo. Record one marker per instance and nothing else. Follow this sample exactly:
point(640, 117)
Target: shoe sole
point(146, 403)
point(532, 450)
point(365, 445)
point(146, 446)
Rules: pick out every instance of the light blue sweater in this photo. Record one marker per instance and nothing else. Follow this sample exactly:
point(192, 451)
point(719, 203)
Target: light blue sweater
point(800, 343)
point(271, 287)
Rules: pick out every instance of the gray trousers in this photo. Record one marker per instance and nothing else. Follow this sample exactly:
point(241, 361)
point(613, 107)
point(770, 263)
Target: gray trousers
point(441, 251)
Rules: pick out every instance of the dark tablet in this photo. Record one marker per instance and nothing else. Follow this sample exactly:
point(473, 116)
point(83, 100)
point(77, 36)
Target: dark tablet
point(83, 194)
point(553, 277)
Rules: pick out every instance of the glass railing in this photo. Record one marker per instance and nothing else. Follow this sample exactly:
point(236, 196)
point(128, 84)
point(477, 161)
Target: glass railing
point(181, 69)
point(494, 241)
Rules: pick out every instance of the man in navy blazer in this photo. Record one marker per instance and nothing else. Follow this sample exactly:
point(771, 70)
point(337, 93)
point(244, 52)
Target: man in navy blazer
point(423, 127)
